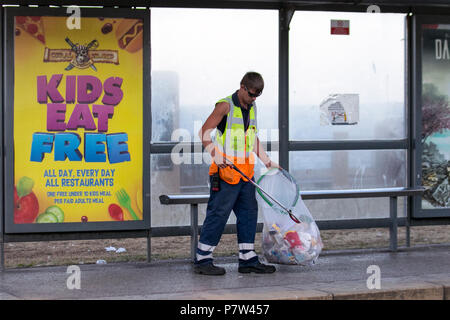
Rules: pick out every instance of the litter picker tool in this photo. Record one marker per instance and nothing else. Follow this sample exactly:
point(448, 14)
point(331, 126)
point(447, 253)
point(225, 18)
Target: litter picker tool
point(289, 211)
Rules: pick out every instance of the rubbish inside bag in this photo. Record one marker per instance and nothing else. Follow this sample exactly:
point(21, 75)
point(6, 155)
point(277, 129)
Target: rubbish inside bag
point(284, 241)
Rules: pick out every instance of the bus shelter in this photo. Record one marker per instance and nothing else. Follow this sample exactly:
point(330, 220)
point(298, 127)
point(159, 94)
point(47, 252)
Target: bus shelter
point(102, 103)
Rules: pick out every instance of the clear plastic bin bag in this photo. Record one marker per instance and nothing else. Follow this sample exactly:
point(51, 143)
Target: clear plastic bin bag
point(285, 241)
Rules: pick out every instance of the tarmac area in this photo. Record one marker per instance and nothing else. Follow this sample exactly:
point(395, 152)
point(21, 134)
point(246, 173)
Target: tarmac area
point(417, 273)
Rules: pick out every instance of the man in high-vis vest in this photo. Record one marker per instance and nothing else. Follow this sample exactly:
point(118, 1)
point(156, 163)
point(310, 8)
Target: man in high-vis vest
point(236, 141)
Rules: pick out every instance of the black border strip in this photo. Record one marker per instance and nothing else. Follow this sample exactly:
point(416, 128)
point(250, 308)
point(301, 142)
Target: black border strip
point(386, 6)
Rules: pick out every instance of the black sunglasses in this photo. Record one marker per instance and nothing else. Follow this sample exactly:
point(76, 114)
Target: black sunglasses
point(253, 95)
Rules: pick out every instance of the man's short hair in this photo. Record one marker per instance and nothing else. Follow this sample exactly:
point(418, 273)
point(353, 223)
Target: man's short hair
point(253, 80)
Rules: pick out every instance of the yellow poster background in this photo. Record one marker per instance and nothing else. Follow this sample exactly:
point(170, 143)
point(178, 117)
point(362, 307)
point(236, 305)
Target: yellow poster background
point(31, 117)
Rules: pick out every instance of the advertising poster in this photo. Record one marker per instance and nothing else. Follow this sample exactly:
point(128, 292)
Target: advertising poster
point(435, 133)
point(78, 124)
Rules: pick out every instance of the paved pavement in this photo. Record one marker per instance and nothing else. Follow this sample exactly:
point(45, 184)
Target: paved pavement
point(409, 273)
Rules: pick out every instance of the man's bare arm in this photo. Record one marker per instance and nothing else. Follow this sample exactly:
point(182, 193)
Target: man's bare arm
point(261, 153)
point(221, 110)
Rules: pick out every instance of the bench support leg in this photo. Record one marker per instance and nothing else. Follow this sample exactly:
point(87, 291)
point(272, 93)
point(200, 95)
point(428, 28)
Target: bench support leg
point(394, 223)
point(408, 233)
point(194, 230)
point(409, 206)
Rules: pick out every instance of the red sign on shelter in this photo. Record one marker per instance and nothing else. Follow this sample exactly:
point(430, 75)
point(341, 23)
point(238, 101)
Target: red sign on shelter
point(340, 27)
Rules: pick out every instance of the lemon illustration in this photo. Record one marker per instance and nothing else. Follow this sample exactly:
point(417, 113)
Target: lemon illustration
point(57, 212)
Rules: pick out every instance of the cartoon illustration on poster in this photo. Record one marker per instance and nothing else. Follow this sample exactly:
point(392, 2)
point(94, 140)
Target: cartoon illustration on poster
point(436, 116)
point(78, 106)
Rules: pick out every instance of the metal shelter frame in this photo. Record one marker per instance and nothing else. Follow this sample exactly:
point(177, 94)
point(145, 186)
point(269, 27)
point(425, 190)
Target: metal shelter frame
point(286, 10)
point(285, 145)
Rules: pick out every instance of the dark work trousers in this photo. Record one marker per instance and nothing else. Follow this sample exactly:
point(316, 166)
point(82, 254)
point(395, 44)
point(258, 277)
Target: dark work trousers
point(242, 200)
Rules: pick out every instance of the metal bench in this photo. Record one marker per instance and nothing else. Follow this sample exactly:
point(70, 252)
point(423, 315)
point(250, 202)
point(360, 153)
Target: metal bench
point(392, 193)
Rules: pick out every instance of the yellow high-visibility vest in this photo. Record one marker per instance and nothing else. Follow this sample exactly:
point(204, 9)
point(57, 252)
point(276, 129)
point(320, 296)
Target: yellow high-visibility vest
point(236, 144)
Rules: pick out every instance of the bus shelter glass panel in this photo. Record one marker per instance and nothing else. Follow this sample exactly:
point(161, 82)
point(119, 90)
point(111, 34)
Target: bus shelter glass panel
point(353, 169)
point(347, 86)
point(188, 174)
point(352, 209)
point(199, 56)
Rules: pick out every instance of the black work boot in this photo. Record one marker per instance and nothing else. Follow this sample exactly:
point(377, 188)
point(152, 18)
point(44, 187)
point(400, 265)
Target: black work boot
point(257, 268)
point(209, 269)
